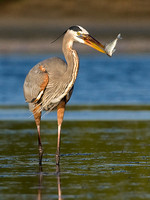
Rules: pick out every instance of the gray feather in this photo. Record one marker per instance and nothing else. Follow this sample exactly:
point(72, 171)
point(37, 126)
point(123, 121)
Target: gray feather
point(56, 69)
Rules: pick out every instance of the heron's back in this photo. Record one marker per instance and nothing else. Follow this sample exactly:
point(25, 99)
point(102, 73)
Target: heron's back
point(55, 67)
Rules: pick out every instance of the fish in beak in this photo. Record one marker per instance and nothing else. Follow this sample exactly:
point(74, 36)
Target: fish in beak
point(108, 49)
point(90, 41)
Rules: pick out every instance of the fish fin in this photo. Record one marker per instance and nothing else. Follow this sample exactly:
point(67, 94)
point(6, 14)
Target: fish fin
point(113, 51)
point(119, 36)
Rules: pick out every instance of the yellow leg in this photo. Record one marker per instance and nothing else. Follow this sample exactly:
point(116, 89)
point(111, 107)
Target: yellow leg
point(60, 115)
point(37, 117)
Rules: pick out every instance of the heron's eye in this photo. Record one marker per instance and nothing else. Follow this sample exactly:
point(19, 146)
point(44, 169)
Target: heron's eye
point(78, 33)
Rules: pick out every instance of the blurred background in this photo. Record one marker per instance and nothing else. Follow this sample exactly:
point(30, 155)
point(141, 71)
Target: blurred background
point(30, 25)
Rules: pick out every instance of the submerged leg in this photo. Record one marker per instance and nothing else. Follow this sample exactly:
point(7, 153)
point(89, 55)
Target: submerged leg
point(37, 117)
point(60, 115)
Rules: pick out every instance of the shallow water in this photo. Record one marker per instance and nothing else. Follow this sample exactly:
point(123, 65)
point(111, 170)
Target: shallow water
point(99, 160)
point(105, 134)
point(90, 114)
point(122, 79)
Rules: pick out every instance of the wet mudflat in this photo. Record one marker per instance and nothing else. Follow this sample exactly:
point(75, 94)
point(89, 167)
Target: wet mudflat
point(99, 160)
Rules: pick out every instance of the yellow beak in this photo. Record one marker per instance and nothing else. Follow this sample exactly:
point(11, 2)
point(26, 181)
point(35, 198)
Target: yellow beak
point(90, 41)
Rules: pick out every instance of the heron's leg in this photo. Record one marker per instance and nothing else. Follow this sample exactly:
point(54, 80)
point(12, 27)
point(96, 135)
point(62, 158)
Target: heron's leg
point(60, 115)
point(37, 117)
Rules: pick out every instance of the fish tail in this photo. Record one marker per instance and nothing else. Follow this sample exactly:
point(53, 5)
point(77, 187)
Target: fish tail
point(119, 36)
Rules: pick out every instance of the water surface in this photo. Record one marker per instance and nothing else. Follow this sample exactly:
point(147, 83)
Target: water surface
point(105, 135)
point(99, 160)
point(122, 79)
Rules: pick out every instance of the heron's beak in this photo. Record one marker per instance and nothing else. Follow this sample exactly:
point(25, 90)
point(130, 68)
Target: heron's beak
point(90, 41)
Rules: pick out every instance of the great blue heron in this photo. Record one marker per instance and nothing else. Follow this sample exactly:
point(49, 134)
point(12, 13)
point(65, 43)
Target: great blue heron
point(49, 84)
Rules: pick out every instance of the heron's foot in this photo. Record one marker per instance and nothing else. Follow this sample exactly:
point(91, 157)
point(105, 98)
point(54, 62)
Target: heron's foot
point(40, 155)
point(57, 170)
point(57, 158)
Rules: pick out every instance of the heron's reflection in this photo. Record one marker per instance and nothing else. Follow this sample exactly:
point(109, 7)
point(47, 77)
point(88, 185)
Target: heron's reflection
point(39, 196)
point(58, 181)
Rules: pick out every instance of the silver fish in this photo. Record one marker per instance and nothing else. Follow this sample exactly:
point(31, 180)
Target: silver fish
point(110, 47)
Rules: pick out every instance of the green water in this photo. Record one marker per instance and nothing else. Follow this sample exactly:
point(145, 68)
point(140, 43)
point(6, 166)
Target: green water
point(99, 160)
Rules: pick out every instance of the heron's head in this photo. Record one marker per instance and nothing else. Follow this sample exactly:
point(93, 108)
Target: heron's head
point(80, 35)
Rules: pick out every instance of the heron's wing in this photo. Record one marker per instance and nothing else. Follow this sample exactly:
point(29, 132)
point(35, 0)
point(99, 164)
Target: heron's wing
point(44, 79)
point(35, 84)
point(56, 69)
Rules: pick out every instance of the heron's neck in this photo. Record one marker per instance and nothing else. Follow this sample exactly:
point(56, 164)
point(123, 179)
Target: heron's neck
point(72, 59)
